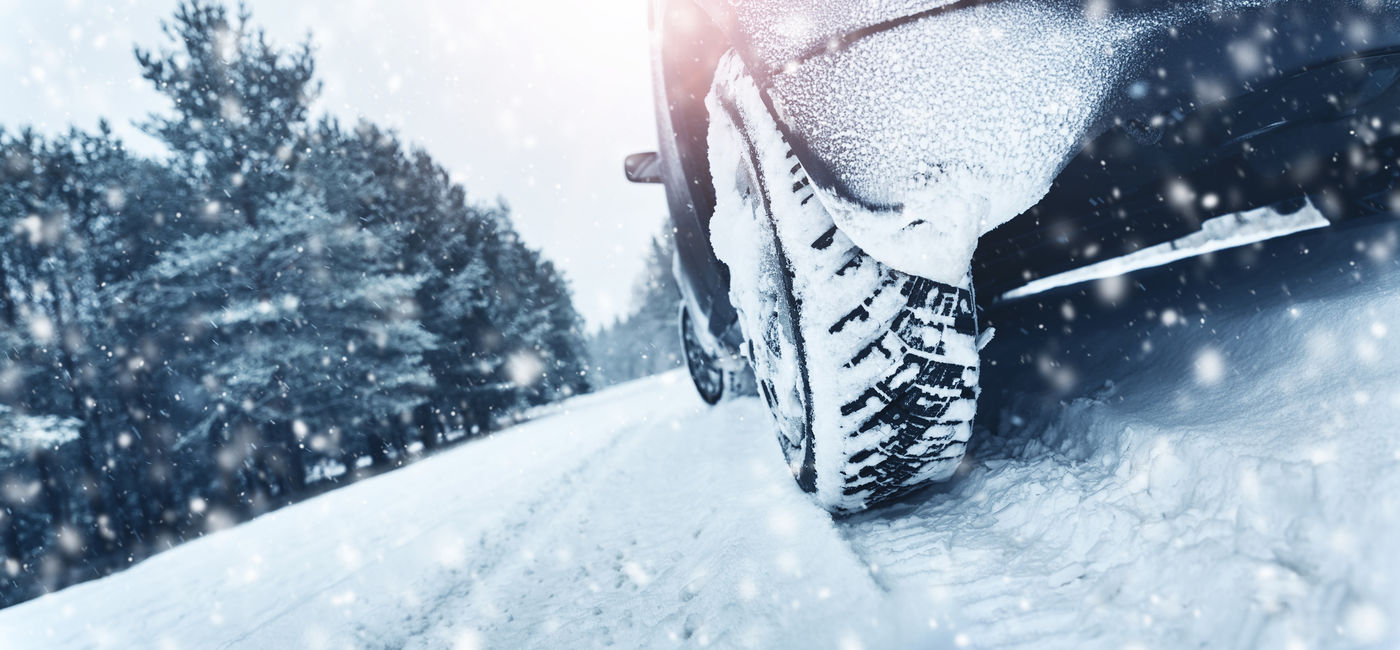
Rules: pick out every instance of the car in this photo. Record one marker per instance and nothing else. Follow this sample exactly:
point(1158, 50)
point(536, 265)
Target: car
point(848, 181)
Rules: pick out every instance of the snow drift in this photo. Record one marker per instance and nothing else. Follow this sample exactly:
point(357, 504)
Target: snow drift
point(1234, 485)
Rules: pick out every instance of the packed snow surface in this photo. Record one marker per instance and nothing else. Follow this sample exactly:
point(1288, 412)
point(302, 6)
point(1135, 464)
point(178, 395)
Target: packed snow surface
point(1203, 466)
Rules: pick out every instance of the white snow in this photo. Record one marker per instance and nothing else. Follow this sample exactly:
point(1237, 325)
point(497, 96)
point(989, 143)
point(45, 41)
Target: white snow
point(1238, 486)
point(827, 282)
point(1220, 233)
point(634, 518)
point(941, 129)
point(23, 434)
point(1230, 478)
point(960, 121)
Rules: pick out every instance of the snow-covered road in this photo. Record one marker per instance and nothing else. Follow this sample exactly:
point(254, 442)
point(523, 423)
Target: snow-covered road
point(633, 518)
point(1203, 465)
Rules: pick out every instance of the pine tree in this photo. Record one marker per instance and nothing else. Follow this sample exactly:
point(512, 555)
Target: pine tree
point(271, 298)
point(507, 330)
point(646, 341)
point(305, 347)
point(240, 107)
point(239, 131)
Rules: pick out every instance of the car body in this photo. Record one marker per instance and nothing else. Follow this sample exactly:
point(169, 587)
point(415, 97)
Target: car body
point(1251, 103)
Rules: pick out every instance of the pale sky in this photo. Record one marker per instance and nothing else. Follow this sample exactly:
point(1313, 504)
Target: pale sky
point(536, 102)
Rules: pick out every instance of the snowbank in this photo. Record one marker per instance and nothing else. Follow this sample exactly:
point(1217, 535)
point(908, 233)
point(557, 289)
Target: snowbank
point(1203, 465)
point(1222, 469)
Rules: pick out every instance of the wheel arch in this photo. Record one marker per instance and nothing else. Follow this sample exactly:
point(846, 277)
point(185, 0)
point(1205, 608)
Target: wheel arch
point(687, 43)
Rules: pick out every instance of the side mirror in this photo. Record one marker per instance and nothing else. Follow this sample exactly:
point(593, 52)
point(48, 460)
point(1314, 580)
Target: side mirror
point(643, 167)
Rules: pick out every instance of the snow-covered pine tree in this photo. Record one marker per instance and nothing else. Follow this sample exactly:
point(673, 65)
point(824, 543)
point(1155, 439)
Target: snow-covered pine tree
point(67, 188)
point(646, 341)
point(38, 458)
point(267, 296)
point(550, 334)
point(493, 304)
point(240, 107)
point(365, 174)
point(298, 344)
point(304, 284)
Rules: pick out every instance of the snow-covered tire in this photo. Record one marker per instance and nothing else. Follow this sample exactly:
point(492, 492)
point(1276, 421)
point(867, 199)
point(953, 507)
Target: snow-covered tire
point(706, 372)
point(870, 373)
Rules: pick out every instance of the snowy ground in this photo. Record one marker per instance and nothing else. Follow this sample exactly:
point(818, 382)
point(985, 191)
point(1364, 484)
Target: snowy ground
point(1202, 465)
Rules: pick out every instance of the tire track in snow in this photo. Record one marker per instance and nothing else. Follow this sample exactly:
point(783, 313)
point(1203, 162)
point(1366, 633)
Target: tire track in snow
point(495, 545)
point(542, 497)
point(345, 568)
point(692, 532)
